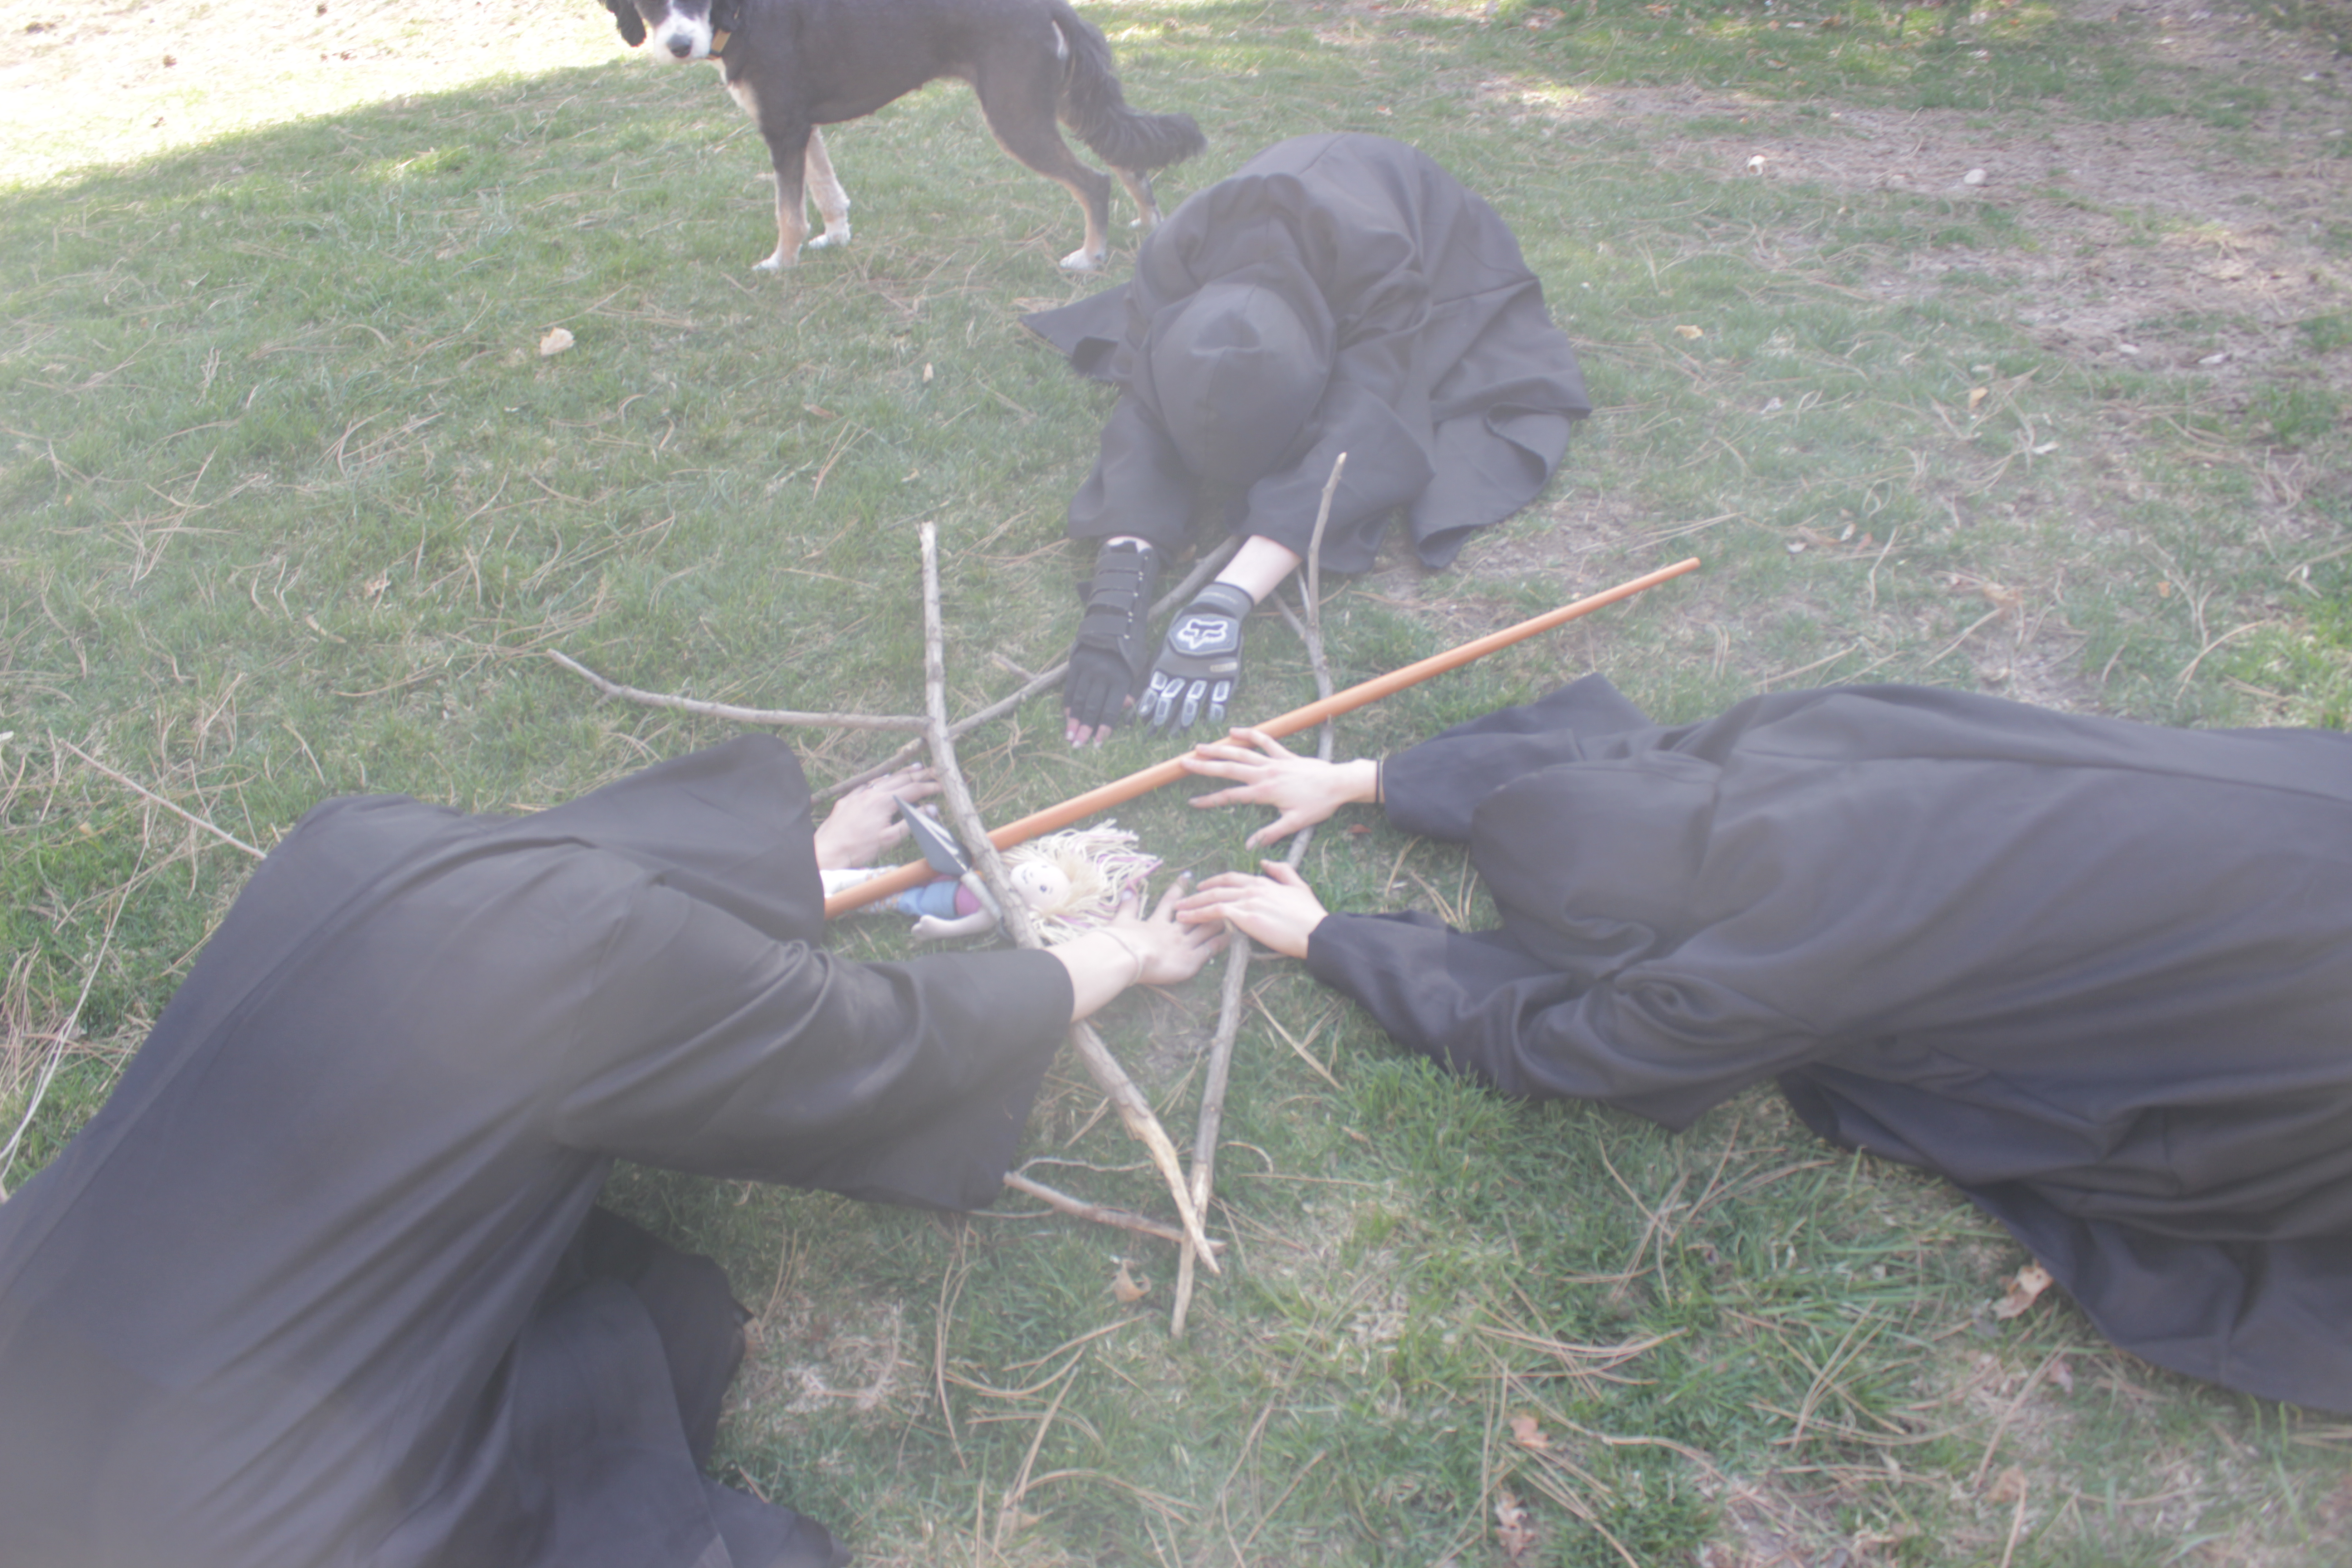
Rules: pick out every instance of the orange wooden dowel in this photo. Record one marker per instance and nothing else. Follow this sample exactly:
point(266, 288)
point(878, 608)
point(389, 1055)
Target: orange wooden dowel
point(1105, 796)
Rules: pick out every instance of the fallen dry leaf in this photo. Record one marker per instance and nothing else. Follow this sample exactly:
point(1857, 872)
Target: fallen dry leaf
point(556, 341)
point(1527, 1434)
point(1689, 332)
point(1514, 1526)
point(2023, 1290)
point(1976, 395)
point(1127, 1287)
point(2007, 1487)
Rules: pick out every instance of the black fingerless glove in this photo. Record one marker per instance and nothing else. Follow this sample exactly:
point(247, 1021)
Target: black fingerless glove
point(1107, 661)
point(1200, 663)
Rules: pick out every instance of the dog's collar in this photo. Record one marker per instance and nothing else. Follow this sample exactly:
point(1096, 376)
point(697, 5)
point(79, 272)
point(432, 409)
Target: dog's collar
point(719, 37)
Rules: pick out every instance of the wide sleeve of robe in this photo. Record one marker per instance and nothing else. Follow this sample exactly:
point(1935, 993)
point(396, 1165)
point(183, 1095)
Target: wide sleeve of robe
point(2094, 972)
point(1620, 993)
point(717, 1038)
point(712, 1049)
point(283, 1300)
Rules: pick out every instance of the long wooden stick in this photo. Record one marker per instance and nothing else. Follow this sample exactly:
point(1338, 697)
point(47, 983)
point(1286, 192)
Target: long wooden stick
point(1211, 1123)
point(954, 793)
point(1079, 1208)
point(728, 710)
point(1103, 797)
point(142, 790)
point(1135, 1112)
point(1212, 1113)
point(1180, 594)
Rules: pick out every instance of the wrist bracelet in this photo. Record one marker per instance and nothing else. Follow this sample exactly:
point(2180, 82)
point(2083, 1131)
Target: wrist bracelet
point(1136, 977)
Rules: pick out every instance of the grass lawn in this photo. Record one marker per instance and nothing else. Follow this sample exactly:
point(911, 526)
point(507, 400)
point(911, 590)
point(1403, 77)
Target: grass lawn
point(2007, 350)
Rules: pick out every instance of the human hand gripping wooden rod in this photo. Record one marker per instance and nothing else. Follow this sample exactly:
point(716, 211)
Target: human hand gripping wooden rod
point(1105, 796)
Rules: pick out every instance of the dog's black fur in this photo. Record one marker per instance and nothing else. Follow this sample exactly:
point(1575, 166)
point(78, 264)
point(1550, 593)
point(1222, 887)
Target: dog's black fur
point(798, 64)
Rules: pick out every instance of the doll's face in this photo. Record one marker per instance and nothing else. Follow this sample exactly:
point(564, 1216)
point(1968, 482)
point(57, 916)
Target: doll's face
point(1039, 882)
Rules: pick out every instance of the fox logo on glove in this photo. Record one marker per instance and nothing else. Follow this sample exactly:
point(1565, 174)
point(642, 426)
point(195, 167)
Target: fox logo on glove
point(1205, 634)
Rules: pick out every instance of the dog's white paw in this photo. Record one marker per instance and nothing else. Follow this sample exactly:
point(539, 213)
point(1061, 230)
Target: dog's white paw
point(777, 261)
point(1083, 260)
point(835, 235)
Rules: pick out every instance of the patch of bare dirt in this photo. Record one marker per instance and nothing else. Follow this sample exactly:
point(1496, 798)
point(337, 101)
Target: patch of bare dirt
point(2165, 244)
point(1765, 1524)
point(2191, 249)
point(810, 1356)
point(2147, 246)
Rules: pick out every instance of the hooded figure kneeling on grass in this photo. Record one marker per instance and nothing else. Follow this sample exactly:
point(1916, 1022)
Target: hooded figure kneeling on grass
point(2098, 974)
point(1337, 293)
point(324, 1283)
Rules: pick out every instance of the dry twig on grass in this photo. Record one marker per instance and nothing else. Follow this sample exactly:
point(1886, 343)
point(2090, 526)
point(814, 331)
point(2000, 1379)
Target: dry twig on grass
point(1182, 592)
point(142, 790)
point(63, 1037)
point(1212, 1111)
point(1134, 1110)
point(1079, 1208)
point(725, 710)
point(951, 1290)
point(1298, 1047)
point(1008, 1514)
point(65, 1031)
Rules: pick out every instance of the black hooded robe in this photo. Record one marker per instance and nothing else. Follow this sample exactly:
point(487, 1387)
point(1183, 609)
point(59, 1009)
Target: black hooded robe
point(1449, 388)
point(2099, 974)
point(321, 1283)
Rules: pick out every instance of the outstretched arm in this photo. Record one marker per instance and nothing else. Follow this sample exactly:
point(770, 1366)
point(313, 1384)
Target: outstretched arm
point(1135, 950)
point(1266, 773)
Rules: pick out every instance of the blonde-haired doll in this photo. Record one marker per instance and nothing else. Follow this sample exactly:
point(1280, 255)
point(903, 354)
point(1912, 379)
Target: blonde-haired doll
point(1070, 881)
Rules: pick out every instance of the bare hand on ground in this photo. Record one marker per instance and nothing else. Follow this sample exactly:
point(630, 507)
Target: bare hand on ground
point(1277, 910)
point(1135, 949)
point(1267, 773)
point(864, 823)
point(1170, 950)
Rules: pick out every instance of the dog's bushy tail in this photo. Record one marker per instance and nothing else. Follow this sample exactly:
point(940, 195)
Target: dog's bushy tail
point(1093, 106)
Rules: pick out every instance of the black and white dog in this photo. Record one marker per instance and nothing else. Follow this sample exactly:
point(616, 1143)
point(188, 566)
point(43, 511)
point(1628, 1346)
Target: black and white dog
point(798, 64)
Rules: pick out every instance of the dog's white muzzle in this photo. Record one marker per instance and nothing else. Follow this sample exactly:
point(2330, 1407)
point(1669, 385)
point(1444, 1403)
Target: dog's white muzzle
point(684, 37)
